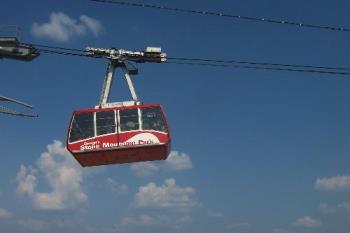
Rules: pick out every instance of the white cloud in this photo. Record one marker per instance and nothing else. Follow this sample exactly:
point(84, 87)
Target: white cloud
point(62, 28)
point(308, 222)
point(327, 209)
point(92, 24)
point(280, 230)
point(215, 214)
point(345, 206)
point(336, 183)
point(183, 221)
point(43, 225)
point(144, 169)
point(63, 175)
point(239, 225)
point(116, 187)
point(4, 213)
point(331, 209)
point(26, 180)
point(176, 161)
point(156, 221)
point(145, 221)
point(166, 196)
point(33, 224)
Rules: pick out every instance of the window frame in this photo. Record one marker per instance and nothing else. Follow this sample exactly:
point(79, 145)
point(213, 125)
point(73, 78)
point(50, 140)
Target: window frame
point(71, 127)
point(115, 123)
point(164, 122)
point(138, 120)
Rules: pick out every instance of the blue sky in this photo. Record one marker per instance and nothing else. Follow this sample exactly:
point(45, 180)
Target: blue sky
point(253, 151)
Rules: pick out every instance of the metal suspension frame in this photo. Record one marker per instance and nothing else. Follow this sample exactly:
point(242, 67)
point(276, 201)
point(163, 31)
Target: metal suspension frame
point(108, 81)
point(119, 58)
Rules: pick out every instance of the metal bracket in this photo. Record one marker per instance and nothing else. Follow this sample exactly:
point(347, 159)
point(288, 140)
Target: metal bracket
point(107, 84)
point(130, 84)
point(121, 58)
point(108, 81)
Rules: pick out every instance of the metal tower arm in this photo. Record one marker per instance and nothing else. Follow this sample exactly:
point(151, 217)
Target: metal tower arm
point(9, 111)
point(5, 110)
point(4, 98)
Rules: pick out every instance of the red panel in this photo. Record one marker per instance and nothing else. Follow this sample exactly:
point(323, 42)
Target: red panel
point(123, 155)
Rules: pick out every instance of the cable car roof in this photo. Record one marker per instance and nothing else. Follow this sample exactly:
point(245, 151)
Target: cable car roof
point(78, 111)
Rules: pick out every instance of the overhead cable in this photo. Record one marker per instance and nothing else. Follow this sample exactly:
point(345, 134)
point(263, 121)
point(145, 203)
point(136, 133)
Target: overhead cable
point(55, 47)
point(63, 53)
point(259, 67)
point(225, 15)
point(258, 63)
point(217, 62)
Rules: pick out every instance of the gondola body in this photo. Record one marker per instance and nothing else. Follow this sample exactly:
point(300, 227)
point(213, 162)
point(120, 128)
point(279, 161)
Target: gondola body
point(119, 135)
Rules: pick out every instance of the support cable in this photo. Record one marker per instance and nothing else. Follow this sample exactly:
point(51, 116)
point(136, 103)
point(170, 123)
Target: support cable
point(259, 67)
point(216, 62)
point(220, 14)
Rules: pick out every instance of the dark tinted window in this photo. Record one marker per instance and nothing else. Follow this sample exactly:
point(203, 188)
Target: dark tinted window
point(129, 119)
point(105, 122)
point(82, 127)
point(153, 119)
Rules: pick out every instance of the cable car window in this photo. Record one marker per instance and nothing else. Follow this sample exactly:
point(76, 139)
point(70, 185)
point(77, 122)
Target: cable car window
point(129, 119)
point(105, 122)
point(153, 119)
point(82, 127)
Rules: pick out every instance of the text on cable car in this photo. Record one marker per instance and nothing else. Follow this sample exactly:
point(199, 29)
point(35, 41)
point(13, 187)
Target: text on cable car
point(97, 144)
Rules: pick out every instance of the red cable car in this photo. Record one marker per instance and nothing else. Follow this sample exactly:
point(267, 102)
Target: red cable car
point(119, 135)
point(121, 132)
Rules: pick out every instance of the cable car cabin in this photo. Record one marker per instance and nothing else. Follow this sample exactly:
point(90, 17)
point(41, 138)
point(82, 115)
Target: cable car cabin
point(119, 135)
